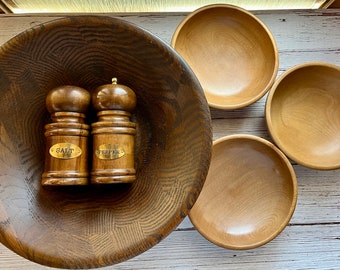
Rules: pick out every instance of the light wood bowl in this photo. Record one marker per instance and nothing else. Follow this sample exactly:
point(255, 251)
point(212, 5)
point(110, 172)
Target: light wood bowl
point(303, 114)
point(93, 226)
point(249, 195)
point(233, 54)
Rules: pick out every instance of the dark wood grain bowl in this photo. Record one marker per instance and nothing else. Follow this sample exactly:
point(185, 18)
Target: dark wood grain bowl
point(94, 226)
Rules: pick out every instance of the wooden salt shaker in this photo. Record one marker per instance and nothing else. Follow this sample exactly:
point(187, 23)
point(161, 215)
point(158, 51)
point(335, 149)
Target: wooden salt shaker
point(67, 137)
point(113, 134)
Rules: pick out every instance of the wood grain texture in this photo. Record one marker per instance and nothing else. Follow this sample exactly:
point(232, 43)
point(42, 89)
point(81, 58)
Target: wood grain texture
point(92, 226)
point(113, 135)
point(303, 114)
point(249, 195)
point(297, 247)
point(232, 53)
point(66, 158)
point(145, 5)
point(311, 241)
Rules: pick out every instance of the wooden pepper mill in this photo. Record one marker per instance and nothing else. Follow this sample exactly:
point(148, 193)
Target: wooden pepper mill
point(67, 137)
point(113, 134)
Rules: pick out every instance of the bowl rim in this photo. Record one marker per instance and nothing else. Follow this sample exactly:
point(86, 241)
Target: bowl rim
point(266, 29)
point(292, 207)
point(269, 120)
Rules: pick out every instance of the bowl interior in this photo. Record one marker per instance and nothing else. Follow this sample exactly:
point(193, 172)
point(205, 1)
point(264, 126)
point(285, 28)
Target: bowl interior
point(93, 226)
point(303, 115)
point(249, 195)
point(232, 53)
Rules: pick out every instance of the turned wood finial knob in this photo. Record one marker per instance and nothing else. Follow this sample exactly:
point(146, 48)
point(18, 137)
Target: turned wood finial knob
point(68, 98)
point(114, 97)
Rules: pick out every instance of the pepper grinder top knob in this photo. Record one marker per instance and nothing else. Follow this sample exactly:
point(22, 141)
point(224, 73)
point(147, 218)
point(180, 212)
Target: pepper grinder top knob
point(114, 97)
point(68, 98)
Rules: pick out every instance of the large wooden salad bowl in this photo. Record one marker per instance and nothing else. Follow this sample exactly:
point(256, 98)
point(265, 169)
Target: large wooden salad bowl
point(94, 226)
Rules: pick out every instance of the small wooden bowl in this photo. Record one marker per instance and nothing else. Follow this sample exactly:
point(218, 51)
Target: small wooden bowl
point(232, 53)
point(303, 114)
point(249, 195)
point(94, 226)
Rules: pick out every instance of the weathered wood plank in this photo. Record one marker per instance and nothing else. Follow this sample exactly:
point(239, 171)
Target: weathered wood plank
point(293, 30)
point(297, 247)
point(287, 251)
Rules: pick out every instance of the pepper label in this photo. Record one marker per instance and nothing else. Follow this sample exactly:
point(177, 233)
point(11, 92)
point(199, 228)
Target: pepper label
point(109, 151)
point(65, 150)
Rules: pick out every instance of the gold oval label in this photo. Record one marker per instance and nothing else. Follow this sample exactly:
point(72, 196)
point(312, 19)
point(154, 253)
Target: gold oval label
point(109, 151)
point(65, 150)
